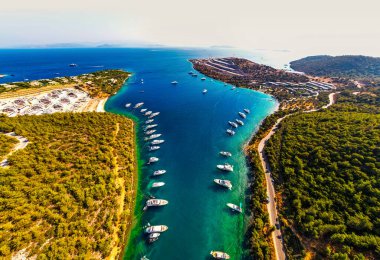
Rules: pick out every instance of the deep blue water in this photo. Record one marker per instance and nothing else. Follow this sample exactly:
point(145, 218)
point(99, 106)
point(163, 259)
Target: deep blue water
point(193, 126)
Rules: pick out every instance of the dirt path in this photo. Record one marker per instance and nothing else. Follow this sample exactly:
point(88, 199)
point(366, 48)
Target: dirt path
point(271, 193)
point(22, 143)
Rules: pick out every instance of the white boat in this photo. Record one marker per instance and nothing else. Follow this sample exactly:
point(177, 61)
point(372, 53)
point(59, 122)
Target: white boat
point(158, 184)
point(233, 124)
point(204, 91)
point(233, 88)
point(153, 237)
point(203, 78)
point(153, 159)
point(225, 167)
point(143, 110)
point(219, 255)
point(150, 126)
point(224, 183)
point(159, 172)
point(154, 148)
point(156, 229)
point(73, 65)
point(154, 114)
point(235, 207)
point(139, 105)
point(149, 121)
point(239, 122)
point(242, 115)
point(152, 137)
point(128, 105)
point(247, 110)
point(148, 113)
point(230, 132)
point(149, 132)
point(174, 82)
point(154, 142)
point(156, 203)
point(224, 153)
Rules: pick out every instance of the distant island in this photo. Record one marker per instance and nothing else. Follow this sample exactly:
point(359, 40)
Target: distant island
point(348, 66)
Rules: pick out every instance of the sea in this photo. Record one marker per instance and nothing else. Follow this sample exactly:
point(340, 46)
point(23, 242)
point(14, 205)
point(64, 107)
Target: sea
point(193, 125)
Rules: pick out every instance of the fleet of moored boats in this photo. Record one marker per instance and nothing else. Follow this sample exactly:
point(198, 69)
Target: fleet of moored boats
point(153, 232)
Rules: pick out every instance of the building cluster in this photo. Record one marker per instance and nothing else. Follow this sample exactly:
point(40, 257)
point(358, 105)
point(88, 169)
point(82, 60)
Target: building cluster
point(60, 100)
point(310, 88)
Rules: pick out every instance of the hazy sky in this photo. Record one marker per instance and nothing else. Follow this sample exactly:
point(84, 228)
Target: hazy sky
point(309, 26)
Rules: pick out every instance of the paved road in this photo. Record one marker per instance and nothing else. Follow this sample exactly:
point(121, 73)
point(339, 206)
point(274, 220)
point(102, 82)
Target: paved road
point(22, 143)
point(271, 206)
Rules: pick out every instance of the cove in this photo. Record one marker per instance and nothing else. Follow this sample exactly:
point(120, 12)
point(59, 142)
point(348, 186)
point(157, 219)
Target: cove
point(193, 126)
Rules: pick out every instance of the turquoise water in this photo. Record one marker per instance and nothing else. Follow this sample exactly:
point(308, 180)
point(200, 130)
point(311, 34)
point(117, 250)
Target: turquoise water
point(193, 126)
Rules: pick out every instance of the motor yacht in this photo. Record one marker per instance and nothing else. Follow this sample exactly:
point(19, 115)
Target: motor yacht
point(153, 160)
point(149, 132)
point(139, 105)
point(143, 110)
point(148, 113)
point(156, 229)
point(154, 142)
point(247, 110)
point(156, 203)
point(242, 115)
point(128, 105)
point(219, 255)
point(233, 124)
point(158, 184)
point(235, 207)
point(154, 114)
point(230, 132)
point(154, 148)
point(224, 153)
point(225, 167)
point(204, 91)
point(224, 183)
point(159, 172)
point(239, 122)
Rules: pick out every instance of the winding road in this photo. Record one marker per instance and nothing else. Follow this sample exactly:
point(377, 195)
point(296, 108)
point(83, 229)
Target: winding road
point(271, 206)
point(22, 143)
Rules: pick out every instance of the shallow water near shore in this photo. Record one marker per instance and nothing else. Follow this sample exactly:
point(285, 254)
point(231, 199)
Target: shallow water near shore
point(193, 126)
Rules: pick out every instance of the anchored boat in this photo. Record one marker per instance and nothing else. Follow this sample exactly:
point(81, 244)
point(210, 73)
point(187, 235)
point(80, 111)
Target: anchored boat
point(152, 137)
point(239, 122)
point(128, 105)
point(150, 126)
point(242, 115)
point(139, 105)
point(149, 121)
point(224, 153)
point(153, 237)
point(156, 229)
point(149, 132)
point(219, 255)
point(174, 82)
point(154, 148)
point(156, 203)
point(154, 114)
point(247, 110)
point(230, 132)
point(225, 167)
point(143, 110)
point(233, 124)
point(204, 91)
point(158, 184)
point(235, 207)
point(154, 142)
point(159, 172)
point(224, 183)
point(152, 160)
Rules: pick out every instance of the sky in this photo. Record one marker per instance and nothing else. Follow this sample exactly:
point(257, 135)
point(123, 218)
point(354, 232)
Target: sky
point(305, 26)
